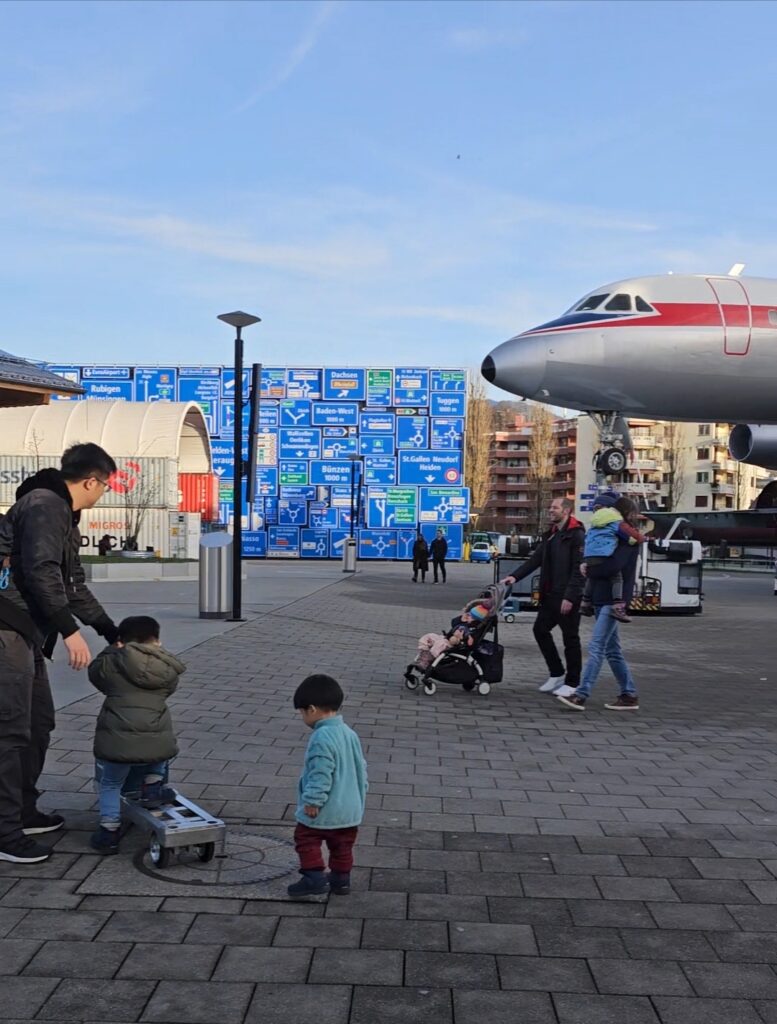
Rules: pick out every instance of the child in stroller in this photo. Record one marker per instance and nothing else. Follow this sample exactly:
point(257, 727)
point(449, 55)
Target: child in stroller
point(463, 656)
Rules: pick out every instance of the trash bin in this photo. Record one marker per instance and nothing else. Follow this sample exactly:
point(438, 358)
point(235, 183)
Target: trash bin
point(215, 575)
point(349, 554)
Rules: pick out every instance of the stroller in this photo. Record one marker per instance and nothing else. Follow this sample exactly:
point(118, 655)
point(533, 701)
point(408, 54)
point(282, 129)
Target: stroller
point(474, 666)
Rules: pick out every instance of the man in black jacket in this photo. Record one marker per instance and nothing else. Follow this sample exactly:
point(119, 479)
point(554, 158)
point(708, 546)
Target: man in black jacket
point(42, 590)
point(558, 558)
point(439, 551)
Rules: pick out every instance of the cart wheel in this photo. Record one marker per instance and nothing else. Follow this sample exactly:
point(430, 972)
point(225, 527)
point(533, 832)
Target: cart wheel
point(484, 688)
point(411, 682)
point(509, 618)
point(469, 686)
point(206, 852)
point(160, 855)
point(430, 689)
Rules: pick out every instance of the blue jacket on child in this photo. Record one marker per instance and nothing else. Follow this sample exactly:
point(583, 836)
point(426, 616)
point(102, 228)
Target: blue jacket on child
point(334, 776)
point(605, 531)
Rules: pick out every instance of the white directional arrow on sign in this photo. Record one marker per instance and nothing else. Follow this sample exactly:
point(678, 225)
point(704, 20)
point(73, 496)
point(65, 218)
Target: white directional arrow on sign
point(430, 478)
point(343, 394)
point(219, 471)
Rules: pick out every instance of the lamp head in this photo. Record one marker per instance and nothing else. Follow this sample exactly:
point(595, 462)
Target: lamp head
point(238, 319)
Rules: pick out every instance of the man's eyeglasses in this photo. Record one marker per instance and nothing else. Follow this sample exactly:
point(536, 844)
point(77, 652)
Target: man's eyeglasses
point(105, 483)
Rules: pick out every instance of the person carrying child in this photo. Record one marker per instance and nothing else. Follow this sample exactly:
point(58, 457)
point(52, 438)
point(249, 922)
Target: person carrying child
point(134, 727)
point(432, 645)
point(604, 556)
point(332, 791)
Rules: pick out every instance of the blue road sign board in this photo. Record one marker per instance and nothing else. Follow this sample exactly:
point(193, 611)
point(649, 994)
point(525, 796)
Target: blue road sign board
point(228, 383)
point(332, 472)
point(291, 493)
point(412, 432)
point(350, 384)
point(376, 444)
point(303, 384)
point(155, 384)
point(448, 403)
point(339, 447)
point(377, 423)
point(314, 543)
point(377, 543)
point(447, 433)
point(294, 471)
point(110, 390)
point(324, 518)
point(380, 384)
point(405, 541)
point(449, 380)
point(71, 373)
point(206, 391)
point(294, 413)
point(106, 373)
point(267, 487)
point(336, 542)
point(271, 510)
point(223, 456)
point(430, 467)
point(411, 386)
point(273, 383)
point(283, 542)
point(443, 504)
point(380, 469)
point(391, 507)
point(299, 443)
point(254, 543)
point(341, 497)
point(292, 513)
point(268, 414)
point(453, 534)
point(335, 414)
point(228, 418)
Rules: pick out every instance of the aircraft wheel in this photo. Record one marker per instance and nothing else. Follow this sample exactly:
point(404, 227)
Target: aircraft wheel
point(612, 461)
point(430, 689)
point(484, 688)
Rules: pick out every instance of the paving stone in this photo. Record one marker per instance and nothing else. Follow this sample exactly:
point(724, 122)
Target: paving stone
point(162, 961)
point(484, 883)
point(726, 867)
point(551, 974)
point(571, 887)
point(264, 964)
point(144, 926)
point(707, 1011)
point(198, 1002)
point(401, 1006)
point(42, 924)
point(755, 919)
point(393, 880)
point(442, 908)
point(69, 959)
point(473, 937)
point(636, 889)
point(655, 944)
point(22, 997)
point(604, 1010)
point(706, 890)
point(424, 969)
point(231, 930)
point(404, 935)
point(9, 918)
point(357, 966)
point(500, 1008)
point(300, 1004)
point(78, 999)
point(746, 981)
point(526, 911)
point(693, 917)
point(582, 942)
point(328, 932)
point(659, 867)
point(639, 977)
point(611, 914)
point(54, 894)
point(746, 947)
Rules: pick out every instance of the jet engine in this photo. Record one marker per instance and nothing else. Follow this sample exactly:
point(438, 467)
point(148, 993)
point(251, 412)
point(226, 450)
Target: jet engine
point(754, 444)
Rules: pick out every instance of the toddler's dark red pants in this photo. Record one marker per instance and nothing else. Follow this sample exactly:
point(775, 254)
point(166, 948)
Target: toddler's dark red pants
point(307, 842)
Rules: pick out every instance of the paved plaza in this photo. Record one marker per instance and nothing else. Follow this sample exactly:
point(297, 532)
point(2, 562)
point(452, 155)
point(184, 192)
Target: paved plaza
point(518, 864)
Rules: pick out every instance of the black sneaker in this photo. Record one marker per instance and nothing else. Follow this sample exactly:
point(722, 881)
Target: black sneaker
point(624, 702)
point(574, 702)
point(312, 883)
point(38, 823)
point(339, 883)
point(105, 840)
point(23, 850)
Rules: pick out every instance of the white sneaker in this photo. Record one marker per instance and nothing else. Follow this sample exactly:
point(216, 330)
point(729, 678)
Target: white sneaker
point(552, 684)
point(565, 691)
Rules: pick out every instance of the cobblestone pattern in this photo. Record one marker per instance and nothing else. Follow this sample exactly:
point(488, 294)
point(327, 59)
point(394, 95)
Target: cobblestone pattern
point(518, 863)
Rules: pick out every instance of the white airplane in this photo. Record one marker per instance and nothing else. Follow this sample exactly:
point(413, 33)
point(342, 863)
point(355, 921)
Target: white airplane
point(675, 347)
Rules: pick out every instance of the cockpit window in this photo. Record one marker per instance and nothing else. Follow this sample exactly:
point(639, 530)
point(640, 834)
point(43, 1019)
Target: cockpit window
point(592, 302)
point(642, 306)
point(620, 303)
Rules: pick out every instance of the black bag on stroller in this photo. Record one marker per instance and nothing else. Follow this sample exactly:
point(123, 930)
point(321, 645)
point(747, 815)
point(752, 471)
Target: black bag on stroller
point(490, 656)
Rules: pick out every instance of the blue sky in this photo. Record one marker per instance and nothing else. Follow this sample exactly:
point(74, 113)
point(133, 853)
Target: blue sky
point(381, 182)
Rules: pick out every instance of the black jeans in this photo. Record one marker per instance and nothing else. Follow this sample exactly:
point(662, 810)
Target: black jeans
point(548, 617)
point(439, 563)
point(26, 723)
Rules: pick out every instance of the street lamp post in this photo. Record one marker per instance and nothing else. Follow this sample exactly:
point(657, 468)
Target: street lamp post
point(238, 320)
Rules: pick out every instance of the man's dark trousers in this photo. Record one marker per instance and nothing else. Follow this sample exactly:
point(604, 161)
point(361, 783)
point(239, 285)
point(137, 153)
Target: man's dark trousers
point(548, 617)
point(439, 563)
point(26, 722)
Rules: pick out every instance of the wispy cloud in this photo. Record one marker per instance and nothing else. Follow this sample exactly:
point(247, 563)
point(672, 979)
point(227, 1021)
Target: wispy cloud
point(298, 53)
point(475, 40)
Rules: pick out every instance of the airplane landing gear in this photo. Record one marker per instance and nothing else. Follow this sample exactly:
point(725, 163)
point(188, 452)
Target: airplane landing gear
point(614, 445)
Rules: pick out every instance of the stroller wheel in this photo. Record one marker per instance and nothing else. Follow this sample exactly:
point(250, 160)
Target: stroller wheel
point(468, 686)
point(484, 688)
point(410, 681)
point(430, 688)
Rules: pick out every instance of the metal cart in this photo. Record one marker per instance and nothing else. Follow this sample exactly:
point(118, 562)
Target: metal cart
point(176, 825)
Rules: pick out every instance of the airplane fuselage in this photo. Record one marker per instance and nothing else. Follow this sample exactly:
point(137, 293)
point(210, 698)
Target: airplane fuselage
point(676, 347)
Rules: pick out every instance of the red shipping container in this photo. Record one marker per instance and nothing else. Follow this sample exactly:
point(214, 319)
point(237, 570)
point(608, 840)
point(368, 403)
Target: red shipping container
point(199, 492)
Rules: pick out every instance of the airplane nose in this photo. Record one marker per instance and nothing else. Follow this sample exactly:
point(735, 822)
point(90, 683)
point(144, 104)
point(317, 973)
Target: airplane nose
point(517, 366)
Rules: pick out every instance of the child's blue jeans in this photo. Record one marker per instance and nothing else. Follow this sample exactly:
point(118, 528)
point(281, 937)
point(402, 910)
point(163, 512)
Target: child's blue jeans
point(110, 777)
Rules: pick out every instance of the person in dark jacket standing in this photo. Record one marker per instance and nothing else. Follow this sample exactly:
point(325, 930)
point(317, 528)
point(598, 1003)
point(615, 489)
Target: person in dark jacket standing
point(42, 592)
point(420, 558)
point(558, 558)
point(439, 550)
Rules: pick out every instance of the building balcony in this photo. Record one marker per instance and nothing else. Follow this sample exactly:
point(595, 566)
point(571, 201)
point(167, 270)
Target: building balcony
point(729, 489)
point(641, 464)
point(643, 440)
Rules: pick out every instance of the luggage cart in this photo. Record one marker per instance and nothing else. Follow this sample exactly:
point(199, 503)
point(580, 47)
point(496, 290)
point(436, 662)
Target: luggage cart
point(176, 825)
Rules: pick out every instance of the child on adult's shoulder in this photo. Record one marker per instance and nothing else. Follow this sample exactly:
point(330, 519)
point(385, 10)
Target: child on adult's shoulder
point(612, 524)
point(134, 727)
point(332, 791)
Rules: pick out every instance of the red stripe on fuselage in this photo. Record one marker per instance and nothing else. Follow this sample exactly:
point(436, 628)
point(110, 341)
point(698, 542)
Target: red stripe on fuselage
point(674, 314)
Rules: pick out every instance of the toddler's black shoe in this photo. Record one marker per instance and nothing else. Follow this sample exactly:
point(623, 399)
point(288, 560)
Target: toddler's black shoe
point(339, 883)
point(312, 883)
point(105, 840)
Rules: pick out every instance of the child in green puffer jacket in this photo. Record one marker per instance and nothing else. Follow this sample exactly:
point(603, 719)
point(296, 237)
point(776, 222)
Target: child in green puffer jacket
point(134, 727)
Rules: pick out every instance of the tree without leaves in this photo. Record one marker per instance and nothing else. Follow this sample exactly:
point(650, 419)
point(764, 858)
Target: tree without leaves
point(674, 453)
point(479, 437)
point(542, 449)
